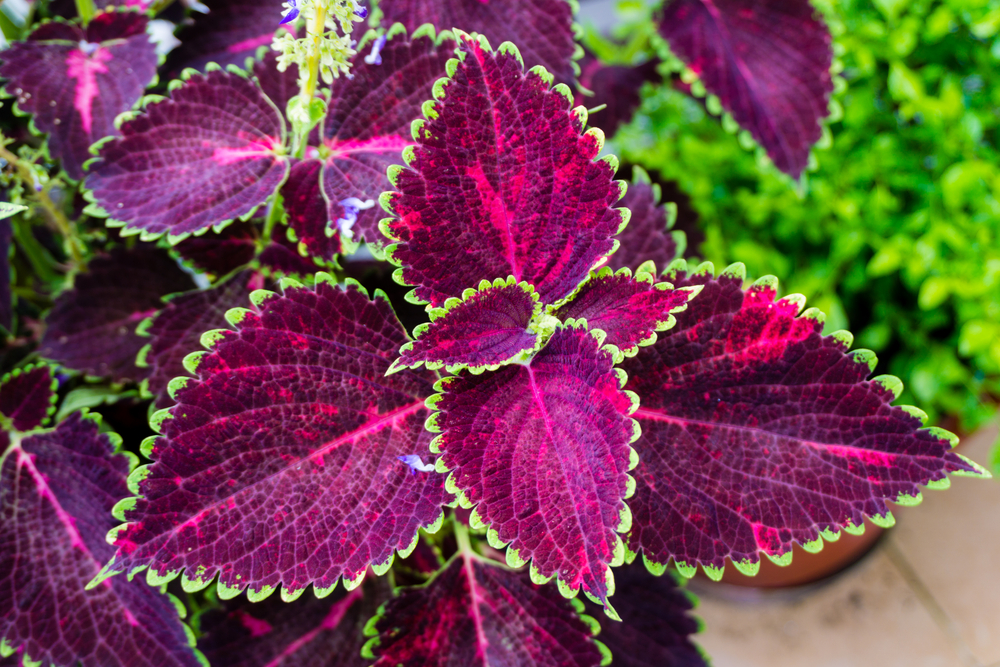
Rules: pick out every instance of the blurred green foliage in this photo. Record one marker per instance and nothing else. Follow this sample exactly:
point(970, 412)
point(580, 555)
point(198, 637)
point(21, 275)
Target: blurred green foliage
point(895, 230)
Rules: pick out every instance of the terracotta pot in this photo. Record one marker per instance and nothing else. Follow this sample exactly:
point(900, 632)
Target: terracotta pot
point(807, 568)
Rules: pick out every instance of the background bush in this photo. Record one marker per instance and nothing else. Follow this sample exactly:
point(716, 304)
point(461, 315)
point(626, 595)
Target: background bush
point(895, 230)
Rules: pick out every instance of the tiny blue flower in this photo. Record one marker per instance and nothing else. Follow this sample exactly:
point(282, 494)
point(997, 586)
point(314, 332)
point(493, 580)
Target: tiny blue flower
point(416, 464)
point(374, 58)
point(291, 12)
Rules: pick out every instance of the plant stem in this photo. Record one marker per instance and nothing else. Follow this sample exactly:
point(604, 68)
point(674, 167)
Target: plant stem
point(42, 197)
point(274, 210)
point(316, 29)
point(462, 536)
point(86, 9)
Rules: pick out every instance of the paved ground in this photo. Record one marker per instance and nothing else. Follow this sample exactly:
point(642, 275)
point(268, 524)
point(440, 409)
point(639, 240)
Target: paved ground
point(928, 595)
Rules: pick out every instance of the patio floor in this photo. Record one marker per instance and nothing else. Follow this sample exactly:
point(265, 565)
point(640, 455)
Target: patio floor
point(928, 594)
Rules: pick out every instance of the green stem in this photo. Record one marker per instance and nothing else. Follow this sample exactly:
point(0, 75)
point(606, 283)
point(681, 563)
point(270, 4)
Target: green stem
point(42, 197)
point(316, 29)
point(39, 259)
point(462, 536)
point(273, 213)
point(86, 9)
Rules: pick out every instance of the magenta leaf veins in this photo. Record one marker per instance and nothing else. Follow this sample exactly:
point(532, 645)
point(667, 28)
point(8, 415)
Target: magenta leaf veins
point(57, 491)
point(541, 450)
point(476, 613)
point(278, 464)
point(502, 183)
point(759, 432)
point(210, 153)
point(308, 632)
point(488, 327)
point(75, 81)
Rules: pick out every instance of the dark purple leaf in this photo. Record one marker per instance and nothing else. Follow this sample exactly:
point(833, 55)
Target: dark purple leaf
point(758, 432)
point(6, 295)
point(307, 212)
point(28, 397)
point(231, 32)
point(220, 253)
point(629, 310)
point(768, 63)
point(502, 182)
point(368, 123)
point(240, 244)
point(279, 463)
point(176, 330)
point(74, 80)
point(649, 236)
point(284, 257)
point(487, 328)
point(207, 155)
point(656, 628)
point(308, 632)
point(617, 87)
point(542, 29)
point(542, 451)
point(92, 327)
point(476, 613)
point(57, 490)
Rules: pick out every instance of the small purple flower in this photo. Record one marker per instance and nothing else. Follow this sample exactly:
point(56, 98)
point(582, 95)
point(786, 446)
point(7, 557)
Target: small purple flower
point(88, 47)
point(291, 13)
point(416, 464)
point(361, 12)
point(352, 206)
point(374, 58)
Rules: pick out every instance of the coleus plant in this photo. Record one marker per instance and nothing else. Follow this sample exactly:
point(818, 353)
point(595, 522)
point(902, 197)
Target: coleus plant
point(574, 394)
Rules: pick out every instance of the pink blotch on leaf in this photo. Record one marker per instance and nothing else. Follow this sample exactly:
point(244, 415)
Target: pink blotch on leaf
point(250, 44)
point(389, 143)
point(261, 148)
point(256, 626)
point(866, 456)
point(85, 69)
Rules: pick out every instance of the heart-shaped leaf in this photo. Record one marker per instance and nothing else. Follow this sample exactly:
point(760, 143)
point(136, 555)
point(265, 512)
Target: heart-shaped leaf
point(649, 236)
point(656, 627)
point(308, 632)
point(176, 330)
point(768, 63)
point(501, 182)
point(367, 125)
point(28, 397)
point(92, 327)
point(75, 81)
point(279, 464)
point(542, 29)
point(629, 310)
point(228, 34)
point(56, 493)
point(615, 86)
point(209, 154)
point(477, 613)
point(542, 451)
point(759, 432)
point(487, 328)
